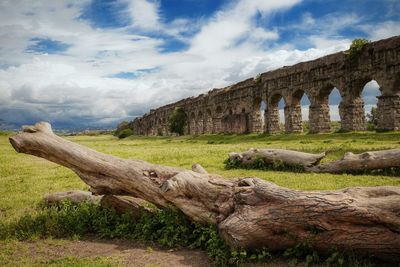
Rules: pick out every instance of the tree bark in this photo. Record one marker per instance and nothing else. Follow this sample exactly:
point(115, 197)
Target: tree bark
point(350, 162)
point(361, 162)
point(289, 157)
point(249, 212)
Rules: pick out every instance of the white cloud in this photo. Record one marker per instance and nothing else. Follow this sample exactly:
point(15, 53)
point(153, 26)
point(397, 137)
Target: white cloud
point(382, 30)
point(77, 85)
point(145, 14)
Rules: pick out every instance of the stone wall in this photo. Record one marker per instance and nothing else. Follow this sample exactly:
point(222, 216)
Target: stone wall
point(236, 108)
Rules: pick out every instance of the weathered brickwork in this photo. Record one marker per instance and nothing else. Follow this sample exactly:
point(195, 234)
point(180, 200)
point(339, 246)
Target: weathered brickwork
point(236, 108)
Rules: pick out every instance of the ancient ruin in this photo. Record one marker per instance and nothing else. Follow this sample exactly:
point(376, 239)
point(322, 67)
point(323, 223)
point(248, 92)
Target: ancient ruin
point(236, 108)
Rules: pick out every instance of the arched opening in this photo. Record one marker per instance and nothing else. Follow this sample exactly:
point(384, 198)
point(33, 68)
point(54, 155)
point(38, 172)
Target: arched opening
point(334, 100)
point(230, 112)
point(369, 95)
point(325, 109)
point(281, 106)
point(218, 110)
point(263, 107)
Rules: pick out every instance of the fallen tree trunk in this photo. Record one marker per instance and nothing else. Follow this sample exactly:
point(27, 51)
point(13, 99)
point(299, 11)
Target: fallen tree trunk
point(272, 156)
point(249, 212)
point(350, 163)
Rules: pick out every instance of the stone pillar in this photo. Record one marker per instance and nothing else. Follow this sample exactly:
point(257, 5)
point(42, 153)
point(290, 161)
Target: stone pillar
point(200, 126)
point(272, 119)
point(209, 125)
point(388, 112)
point(256, 123)
point(320, 121)
point(217, 124)
point(192, 126)
point(293, 120)
point(352, 115)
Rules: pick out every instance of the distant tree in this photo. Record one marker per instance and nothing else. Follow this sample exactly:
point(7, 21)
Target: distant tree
point(177, 121)
point(372, 116)
point(120, 127)
point(125, 133)
point(356, 47)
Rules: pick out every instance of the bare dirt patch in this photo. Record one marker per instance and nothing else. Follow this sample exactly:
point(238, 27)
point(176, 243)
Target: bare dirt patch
point(122, 252)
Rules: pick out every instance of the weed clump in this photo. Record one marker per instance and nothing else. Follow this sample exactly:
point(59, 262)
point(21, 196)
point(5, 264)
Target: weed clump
point(356, 48)
point(260, 164)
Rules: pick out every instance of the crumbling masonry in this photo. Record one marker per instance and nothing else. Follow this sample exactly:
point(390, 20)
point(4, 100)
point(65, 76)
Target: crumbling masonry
point(236, 108)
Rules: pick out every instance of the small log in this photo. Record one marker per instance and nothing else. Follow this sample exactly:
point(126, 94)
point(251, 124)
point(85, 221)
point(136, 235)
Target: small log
point(75, 196)
point(270, 156)
point(249, 212)
point(350, 162)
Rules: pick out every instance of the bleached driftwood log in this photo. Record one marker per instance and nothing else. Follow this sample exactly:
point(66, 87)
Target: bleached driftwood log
point(350, 162)
point(288, 157)
point(249, 212)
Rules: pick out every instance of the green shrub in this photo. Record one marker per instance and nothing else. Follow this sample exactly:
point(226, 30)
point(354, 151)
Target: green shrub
point(125, 133)
point(177, 121)
point(356, 48)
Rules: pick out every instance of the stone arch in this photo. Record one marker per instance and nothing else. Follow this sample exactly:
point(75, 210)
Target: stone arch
point(258, 115)
point(319, 113)
point(294, 118)
point(272, 118)
point(370, 93)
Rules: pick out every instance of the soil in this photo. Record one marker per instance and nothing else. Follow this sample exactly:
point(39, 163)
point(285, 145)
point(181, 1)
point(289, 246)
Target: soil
point(128, 253)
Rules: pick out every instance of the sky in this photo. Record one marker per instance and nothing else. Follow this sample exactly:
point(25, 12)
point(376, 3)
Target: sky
point(96, 63)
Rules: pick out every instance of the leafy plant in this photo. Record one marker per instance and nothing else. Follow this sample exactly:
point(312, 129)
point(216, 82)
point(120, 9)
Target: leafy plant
point(125, 133)
point(356, 47)
point(177, 121)
point(257, 78)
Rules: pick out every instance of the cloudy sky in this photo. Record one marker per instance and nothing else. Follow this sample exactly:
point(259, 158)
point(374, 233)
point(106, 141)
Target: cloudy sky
point(95, 63)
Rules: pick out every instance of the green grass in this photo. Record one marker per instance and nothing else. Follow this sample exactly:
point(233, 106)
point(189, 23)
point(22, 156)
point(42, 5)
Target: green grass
point(24, 179)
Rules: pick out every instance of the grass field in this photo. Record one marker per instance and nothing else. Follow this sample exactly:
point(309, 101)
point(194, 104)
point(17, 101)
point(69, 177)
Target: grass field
point(25, 179)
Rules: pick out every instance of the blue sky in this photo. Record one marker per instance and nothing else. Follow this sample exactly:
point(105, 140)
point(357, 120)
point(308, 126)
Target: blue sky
point(95, 63)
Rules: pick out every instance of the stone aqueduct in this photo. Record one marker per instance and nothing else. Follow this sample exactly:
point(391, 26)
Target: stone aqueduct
point(236, 108)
